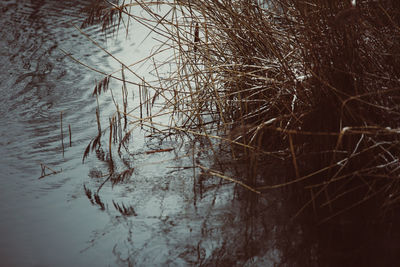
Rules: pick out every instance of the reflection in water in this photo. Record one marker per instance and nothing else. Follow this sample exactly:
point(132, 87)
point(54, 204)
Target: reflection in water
point(157, 217)
point(47, 221)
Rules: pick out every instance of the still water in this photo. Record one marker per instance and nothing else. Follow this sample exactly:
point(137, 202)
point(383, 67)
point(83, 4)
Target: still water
point(177, 217)
point(50, 221)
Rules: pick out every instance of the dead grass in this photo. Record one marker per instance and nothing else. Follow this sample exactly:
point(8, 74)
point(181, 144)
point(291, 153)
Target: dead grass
point(313, 85)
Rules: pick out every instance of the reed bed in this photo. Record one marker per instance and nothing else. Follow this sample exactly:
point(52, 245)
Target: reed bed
point(304, 94)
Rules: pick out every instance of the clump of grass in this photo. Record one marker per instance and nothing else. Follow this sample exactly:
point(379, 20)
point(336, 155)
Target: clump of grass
point(311, 87)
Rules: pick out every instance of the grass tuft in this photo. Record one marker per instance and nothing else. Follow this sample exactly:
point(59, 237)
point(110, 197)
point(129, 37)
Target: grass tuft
point(308, 87)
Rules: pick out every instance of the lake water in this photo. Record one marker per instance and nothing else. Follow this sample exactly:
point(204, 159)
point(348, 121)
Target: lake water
point(177, 217)
point(50, 221)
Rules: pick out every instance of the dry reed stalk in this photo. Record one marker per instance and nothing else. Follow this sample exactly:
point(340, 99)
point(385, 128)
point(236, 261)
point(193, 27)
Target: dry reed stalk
point(70, 135)
point(62, 133)
point(218, 174)
point(318, 88)
point(44, 174)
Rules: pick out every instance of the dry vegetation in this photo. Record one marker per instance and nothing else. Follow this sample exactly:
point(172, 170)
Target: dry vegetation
point(307, 87)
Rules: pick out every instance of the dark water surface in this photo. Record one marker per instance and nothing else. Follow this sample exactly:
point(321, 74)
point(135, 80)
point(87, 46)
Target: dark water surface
point(178, 220)
point(46, 222)
point(50, 221)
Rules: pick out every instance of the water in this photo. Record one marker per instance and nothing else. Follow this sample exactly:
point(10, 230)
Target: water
point(50, 221)
point(176, 217)
point(44, 222)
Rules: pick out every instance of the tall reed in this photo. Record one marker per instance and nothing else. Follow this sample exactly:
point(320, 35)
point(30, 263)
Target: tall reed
point(305, 93)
